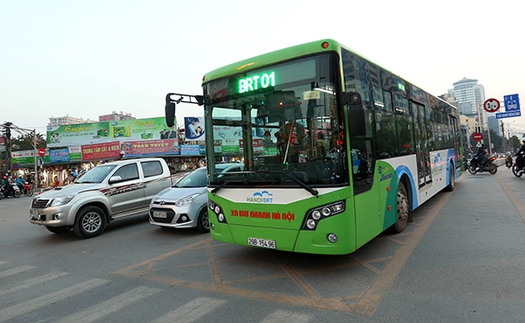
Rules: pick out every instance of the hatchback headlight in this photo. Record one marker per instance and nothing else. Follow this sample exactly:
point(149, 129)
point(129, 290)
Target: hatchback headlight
point(186, 200)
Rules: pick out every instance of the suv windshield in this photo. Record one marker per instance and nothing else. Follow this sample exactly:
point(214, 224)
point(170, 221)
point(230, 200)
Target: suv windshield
point(283, 119)
point(97, 174)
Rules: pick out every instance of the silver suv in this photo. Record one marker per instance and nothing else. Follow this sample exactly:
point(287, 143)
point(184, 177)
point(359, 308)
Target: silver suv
point(107, 192)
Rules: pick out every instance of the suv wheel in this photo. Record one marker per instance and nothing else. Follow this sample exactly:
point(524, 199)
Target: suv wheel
point(90, 222)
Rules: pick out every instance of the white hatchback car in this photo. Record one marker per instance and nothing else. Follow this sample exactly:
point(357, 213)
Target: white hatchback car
point(184, 205)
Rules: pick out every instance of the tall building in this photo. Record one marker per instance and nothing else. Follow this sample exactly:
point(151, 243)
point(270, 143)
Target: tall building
point(67, 119)
point(470, 97)
point(115, 116)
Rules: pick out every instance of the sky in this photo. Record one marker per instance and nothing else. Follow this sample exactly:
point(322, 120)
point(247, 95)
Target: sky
point(89, 58)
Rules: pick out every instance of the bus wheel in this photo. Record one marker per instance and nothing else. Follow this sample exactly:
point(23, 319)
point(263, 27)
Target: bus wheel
point(402, 210)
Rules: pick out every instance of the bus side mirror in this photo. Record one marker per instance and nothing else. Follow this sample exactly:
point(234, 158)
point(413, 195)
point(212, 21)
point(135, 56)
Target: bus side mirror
point(170, 111)
point(356, 113)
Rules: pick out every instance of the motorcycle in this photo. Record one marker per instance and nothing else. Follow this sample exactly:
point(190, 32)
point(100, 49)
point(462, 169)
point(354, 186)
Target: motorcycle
point(15, 191)
point(508, 161)
point(515, 168)
point(488, 167)
point(28, 190)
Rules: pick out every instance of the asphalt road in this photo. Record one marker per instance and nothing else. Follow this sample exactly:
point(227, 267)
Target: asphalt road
point(460, 260)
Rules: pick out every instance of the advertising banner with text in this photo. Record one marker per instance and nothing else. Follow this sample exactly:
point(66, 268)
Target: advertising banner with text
point(108, 150)
point(99, 132)
point(151, 148)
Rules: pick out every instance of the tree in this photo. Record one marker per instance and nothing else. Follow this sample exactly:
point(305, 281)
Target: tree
point(25, 142)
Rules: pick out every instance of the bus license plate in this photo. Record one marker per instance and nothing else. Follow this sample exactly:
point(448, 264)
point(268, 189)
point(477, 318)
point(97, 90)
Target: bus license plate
point(256, 242)
point(160, 214)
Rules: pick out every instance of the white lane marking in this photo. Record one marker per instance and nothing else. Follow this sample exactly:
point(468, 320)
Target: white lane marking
point(33, 281)
point(111, 305)
point(191, 311)
point(14, 271)
point(39, 302)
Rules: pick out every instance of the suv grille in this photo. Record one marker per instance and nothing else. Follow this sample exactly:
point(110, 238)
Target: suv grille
point(39, 203)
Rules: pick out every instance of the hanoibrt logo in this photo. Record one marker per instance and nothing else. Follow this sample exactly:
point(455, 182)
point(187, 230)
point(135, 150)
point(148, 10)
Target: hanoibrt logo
point(383, 177)
point(261, 197)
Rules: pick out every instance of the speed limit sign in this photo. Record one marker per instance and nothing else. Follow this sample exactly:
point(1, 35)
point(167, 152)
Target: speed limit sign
point(491, 105)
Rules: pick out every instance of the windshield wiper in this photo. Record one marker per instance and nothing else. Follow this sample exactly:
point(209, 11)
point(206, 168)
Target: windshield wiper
point(307, 187)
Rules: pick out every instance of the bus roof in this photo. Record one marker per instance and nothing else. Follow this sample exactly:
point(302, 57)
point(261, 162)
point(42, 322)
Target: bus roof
point(272, 57)
point(286, 54)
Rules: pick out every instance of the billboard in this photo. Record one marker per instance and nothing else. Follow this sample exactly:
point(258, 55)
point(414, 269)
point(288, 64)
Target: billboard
point(194, 128)
point(99, 132)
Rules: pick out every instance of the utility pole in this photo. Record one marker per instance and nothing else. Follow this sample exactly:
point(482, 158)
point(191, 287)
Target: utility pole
point(7, 126)
point(504, 139)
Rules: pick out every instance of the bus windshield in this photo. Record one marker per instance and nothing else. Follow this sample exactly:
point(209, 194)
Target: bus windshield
point(281, 122)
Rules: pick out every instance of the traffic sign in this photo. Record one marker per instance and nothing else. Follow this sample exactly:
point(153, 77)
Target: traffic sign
point(41, 152)
point(491, 105)
point(512, 102)
point(510, 114)
point(477, 136)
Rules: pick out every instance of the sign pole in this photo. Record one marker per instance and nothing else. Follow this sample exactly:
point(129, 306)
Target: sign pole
point(35, 183)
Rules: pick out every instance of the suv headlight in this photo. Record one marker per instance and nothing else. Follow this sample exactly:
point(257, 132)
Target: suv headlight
point(186, 200)
point(62, 200)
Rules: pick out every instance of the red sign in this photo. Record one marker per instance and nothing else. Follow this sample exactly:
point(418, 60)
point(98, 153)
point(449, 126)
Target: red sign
point(41, 152)
point(101, 151)
point(477, 136)
point(491, 105)
point(151, 147)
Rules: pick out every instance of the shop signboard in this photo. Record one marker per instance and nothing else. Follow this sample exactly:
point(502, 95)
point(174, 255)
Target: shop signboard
point(107, 150)
point(189, 150)
point(75, 153)
point(26, 157)
point(23, 157)
point(151, 147)
point(60, 155)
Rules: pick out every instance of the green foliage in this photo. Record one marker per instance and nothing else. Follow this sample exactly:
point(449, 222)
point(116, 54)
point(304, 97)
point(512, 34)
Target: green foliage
point(25, 142)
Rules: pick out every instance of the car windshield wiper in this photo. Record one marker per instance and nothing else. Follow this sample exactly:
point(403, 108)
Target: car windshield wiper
point(294, 178)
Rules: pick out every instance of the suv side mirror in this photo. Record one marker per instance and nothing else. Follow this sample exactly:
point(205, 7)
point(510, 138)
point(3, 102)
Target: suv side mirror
point(115, 179)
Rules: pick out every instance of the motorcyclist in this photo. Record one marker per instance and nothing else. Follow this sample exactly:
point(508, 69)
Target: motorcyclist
point(508, 160)
point(20, 183)
point(520, 158)
point(481, 156)
point(6, 184)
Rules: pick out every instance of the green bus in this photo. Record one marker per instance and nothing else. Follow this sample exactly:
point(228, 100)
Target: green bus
point(333, 149)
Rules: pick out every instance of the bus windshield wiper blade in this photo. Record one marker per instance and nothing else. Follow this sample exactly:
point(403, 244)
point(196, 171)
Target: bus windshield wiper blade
point(215, 190)
point(307, 187)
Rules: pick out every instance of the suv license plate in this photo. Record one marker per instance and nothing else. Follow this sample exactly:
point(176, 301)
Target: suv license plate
point(256, 242)
point(160, 214)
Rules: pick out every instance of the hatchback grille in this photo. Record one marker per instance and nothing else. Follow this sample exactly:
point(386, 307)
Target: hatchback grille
point(169, 215)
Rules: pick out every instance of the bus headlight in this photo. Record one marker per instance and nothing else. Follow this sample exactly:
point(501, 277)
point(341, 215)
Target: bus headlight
point(217, 209)
point(311, 224)
point(317, 214)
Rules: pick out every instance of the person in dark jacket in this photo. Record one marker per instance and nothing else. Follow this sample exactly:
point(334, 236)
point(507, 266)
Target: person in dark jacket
point(481, 156)
point(520, 158)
